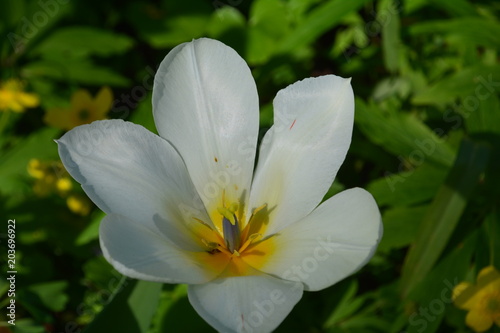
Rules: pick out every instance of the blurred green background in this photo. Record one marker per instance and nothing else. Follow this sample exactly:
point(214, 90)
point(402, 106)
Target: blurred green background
point(426, 144)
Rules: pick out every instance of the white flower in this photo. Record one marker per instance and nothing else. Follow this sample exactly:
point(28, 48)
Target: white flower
point(187, 206)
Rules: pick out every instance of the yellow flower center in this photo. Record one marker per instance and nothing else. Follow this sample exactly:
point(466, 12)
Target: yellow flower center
point(491, 302)
point(234, 242)
point(83, 114)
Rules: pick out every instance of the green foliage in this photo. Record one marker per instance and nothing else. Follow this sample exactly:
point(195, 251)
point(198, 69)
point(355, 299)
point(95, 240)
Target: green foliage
point(134, 303)
point(426, 144)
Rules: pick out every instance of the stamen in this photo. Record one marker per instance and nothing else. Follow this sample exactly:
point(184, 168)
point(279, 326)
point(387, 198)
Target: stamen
point(210, 245)
point(246, 230)
point(203, 223)
point(256, 210)
point(224, 250)
point(249, 241)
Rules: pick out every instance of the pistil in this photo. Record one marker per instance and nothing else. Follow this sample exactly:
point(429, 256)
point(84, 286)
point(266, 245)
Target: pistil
point(232, 234)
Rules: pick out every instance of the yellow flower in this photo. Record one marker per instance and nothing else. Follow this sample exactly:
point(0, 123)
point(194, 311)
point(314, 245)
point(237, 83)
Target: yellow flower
point(481, 300)
point(63, 184)
point(13, 98)
point(36, 169)
point(83, 110)
point(79, 204)
point(49, 178)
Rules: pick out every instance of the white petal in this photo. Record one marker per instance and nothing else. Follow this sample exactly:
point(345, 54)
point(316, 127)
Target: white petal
point(139, 251)
point(331, 243)
point(245, 303)
point(127, 170)
point(302, 152)
point(205, 103)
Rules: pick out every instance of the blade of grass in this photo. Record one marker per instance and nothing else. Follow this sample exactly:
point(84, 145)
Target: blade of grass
point(444, 213)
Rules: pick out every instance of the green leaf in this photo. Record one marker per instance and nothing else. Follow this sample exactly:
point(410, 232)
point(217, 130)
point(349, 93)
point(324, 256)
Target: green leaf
point(485, 118)
point(228, 25)
point(479, 31)
point(354, 34)
point(402, 134)
point(27, 325)
point(492, 230)
point(81, 71)
point(347, 305)
point(12, 11)
point(14, 162)
point(91, 232)
point(397, 86)
point(43, 298)
point(81, 42)
point(100, 274)
point(130, 309)
point(456, 7)
point(444, 213)
point(388, 16)
point(400, 226)
point(434, 293)
point(51, 294)
point(475, 83)
point(179, 316)
point(30, 20)
point(409, 187)
point(268, 25)
point(321, 19)
point(143, 115)
point(179, 22)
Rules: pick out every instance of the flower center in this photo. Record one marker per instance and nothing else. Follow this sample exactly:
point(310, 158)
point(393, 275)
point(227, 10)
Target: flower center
point(83, 114)
point(234, 241)
point(492, 303)
point(233, 238)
